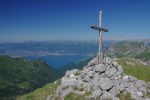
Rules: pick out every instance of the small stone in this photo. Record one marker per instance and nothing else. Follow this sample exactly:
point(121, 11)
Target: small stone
point(143, 89)
point(140, 94)
point(120, 69)
point(126, 77)
point(122, 87)
point(132, 79)
point(86, 78)
point(72, 75)
point(115, 64)
point(74, 71)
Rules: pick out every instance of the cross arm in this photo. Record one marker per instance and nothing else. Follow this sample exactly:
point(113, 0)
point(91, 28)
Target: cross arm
point(99, 28)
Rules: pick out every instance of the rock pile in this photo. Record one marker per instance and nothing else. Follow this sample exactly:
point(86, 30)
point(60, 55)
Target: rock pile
point(103, 81)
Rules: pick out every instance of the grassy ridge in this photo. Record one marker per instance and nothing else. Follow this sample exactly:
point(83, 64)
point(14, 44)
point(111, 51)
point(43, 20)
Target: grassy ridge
point(41, 93)
point(139, 71)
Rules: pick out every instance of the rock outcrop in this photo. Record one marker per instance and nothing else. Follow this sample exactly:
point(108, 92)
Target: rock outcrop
point(103, 81)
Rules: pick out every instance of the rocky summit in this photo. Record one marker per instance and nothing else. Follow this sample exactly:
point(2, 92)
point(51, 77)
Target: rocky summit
point(100, 82)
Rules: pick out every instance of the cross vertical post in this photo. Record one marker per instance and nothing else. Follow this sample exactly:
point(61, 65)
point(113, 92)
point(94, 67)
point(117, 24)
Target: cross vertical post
point(100, 52)
point(99, 57)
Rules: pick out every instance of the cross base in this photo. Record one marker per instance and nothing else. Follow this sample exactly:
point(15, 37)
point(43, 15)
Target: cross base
point(99, 59)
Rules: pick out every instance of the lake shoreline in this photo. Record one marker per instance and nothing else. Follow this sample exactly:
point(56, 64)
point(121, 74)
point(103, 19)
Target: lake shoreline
point(58, 61)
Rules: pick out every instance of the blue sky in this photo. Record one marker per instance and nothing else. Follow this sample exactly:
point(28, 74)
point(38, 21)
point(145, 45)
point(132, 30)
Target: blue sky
point(42, 20)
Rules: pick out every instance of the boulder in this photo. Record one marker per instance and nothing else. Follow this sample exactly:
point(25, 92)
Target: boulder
point(96, 93)
point(103, 75)
point(106, 83)
point(96, 77)
point(85, 78)
point(110, 72)
point(131, 88)
point(100, 68)
point(140, 83)
point(65, 81)
point(86, 86)
point(74, 71)
point(92, 62)
point(59, 90)
point(66, 91)
point(107, 72)
point(106, 95)
point(143, 89)
point(122, 87)
point(115, 89)
point(90, 74)
point(95, 81)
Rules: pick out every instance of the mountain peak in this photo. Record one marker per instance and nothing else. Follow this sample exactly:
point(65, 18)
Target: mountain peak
point(101, 81)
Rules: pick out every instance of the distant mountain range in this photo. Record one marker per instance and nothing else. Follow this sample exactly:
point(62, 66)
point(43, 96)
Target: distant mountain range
point(90, 48)
point(50, 48)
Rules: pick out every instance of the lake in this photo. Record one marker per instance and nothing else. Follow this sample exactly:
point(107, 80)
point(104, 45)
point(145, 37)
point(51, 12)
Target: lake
point(58, 61)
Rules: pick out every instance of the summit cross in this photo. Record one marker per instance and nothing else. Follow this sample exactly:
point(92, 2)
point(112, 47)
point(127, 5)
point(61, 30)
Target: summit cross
point(99, 58)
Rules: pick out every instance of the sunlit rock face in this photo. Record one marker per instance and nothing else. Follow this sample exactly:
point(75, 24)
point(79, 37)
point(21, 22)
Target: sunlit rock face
point(102, 81)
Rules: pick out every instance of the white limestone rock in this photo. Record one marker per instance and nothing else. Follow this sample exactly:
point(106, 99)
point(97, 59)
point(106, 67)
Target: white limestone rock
point(100, 68)
point(103, 80)
point(105, 83)
point(106, 95)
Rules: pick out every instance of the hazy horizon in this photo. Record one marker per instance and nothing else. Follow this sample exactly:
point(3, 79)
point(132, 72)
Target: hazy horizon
point(65, 40)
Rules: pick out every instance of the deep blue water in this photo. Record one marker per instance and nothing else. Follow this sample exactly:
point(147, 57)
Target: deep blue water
point(58, 61)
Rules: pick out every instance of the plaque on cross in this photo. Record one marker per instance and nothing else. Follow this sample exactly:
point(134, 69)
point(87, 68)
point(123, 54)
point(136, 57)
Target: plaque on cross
point(99, 58)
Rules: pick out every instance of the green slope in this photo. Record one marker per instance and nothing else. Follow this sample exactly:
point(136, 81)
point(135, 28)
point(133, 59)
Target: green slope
point(18, 76)
point(41, 93)
point(145, 56)
point(135, 69)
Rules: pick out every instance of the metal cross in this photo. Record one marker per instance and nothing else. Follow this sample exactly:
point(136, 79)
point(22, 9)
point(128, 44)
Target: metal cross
point(100, 49)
